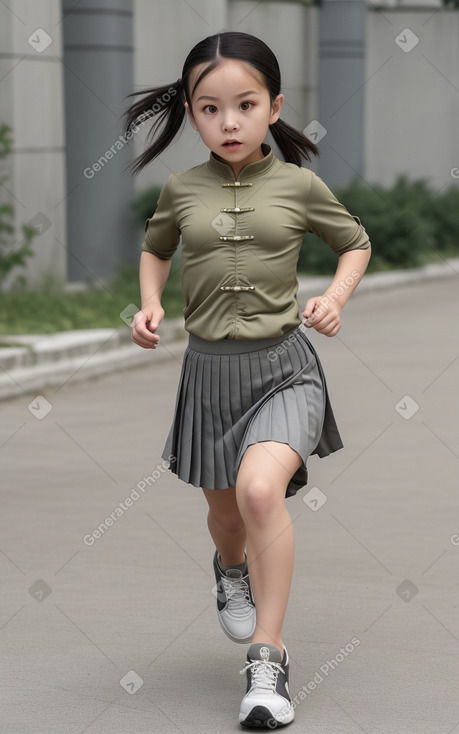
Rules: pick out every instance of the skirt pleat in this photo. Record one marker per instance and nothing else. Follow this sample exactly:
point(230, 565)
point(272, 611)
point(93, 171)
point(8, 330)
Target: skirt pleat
point(228, 399)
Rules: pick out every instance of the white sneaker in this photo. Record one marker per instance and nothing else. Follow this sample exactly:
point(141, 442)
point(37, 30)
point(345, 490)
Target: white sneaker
point(235, 605)
point(267, 702)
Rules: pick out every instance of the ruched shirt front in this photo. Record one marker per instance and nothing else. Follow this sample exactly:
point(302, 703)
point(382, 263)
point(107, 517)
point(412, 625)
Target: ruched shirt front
point(241, 241)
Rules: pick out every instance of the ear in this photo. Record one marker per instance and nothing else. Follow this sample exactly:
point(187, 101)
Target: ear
point(190, 116)
point(276, 108)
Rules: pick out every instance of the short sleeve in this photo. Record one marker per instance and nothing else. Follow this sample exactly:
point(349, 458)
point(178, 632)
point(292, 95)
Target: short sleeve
point(162, 234)
point(331, 221)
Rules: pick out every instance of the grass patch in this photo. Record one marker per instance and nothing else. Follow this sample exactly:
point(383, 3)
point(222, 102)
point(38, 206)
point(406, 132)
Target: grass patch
point(50, 309)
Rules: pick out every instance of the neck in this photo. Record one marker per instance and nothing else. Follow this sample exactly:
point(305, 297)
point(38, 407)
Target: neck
point(237, 167)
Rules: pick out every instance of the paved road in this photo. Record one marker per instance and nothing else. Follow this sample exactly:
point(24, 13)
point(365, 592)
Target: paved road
point(372, 624)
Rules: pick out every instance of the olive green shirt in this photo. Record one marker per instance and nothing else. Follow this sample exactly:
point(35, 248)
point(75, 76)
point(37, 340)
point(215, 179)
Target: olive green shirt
point(241, 241)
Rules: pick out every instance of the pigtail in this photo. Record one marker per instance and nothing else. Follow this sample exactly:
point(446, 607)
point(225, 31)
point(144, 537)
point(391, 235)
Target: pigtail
point(293, 144)
point(166, 104)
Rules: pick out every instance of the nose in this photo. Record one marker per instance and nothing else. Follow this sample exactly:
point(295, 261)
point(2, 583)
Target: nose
point(230, 122)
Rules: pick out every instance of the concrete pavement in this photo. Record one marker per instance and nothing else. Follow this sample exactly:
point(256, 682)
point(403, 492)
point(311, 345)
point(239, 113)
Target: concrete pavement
point(116, 631)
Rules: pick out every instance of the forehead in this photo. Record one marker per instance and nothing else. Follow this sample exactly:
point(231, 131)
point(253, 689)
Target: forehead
point(236, 69)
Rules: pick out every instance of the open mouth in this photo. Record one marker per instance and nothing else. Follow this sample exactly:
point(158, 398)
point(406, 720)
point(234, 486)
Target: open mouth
point(232, 145)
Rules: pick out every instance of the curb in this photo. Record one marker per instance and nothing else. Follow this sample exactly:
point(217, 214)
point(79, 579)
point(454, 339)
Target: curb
point(386, 280)
point(41, 361)
point(32, 363)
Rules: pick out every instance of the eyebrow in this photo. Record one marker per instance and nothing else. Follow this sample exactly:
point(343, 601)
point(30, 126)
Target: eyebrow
point(243, 94)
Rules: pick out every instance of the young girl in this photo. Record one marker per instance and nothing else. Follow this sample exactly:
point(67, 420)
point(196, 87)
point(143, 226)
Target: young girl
point(252, 402)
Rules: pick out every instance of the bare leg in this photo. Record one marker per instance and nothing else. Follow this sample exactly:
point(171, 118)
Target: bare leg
point(226, 525)
point(264, 473)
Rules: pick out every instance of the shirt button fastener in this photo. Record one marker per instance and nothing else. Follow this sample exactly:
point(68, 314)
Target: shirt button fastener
point(236, 237)
point(237, 288)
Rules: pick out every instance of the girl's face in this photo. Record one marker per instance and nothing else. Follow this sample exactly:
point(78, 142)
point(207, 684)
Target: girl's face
point(231, 110)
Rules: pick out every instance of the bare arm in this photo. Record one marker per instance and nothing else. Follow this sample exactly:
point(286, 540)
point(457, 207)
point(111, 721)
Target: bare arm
point(323, 312)
point(153, 275)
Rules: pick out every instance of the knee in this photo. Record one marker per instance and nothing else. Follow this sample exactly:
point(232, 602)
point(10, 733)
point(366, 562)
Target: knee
point(232, 522)
point(258, 498)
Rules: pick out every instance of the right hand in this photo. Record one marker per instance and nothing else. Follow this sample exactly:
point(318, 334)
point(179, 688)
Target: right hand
point(144, 324)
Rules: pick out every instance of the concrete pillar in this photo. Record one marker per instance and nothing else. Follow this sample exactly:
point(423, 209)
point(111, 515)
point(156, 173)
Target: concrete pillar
point(290, 30)
point(31, 103)
point(341, 90)
point(98, 75)
point(165, 33)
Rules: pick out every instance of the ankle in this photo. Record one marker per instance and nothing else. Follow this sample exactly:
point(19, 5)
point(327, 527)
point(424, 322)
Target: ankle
point(229, 561)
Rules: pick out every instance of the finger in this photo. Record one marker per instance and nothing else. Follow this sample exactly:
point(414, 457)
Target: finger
point(317, 317)
point(144, 323)
point(145, 343)
point(331, 328)
point(152, 325)
point(309, 308)
point(145, 337)
point(137, 319)
point(325, 322)
point(142, 330)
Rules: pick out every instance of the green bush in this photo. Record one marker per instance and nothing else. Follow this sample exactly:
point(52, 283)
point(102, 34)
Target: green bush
point(408, 225)
point(399, 233)
point(12, 254)
point(443, 210)
point(95, 307)
point(315, 257)
point(145, 203)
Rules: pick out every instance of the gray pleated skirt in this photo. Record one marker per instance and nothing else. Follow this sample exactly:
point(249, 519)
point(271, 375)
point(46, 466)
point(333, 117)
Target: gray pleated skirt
point(236, 392)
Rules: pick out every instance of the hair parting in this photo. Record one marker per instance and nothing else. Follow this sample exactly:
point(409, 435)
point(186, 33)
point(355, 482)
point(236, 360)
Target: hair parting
point(166, 103)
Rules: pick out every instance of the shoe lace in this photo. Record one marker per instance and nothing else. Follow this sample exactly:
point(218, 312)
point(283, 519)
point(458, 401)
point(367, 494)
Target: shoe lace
point(264, 673)
point(237, 593)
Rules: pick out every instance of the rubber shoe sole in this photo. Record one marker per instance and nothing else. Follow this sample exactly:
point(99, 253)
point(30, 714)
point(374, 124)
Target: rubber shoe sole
point(261, 717)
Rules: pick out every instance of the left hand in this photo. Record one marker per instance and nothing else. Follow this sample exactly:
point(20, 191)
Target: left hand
point(322, 315)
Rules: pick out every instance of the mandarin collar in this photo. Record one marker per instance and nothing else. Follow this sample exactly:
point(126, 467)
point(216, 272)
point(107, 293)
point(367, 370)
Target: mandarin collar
point(249, 170)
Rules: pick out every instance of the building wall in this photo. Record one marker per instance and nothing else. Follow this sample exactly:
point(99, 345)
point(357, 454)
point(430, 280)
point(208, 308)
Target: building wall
point(164, 33)
point(411, 101)
point(98, 59)
point(412, 97)
point(342, 51)
point(289, 28)
point(32, 104)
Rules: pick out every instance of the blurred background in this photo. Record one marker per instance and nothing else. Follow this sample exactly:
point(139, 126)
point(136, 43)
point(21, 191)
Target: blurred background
point(375, 85)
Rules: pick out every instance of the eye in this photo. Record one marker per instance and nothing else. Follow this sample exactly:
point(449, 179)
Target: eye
point(246, 106)
point(210, 108)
